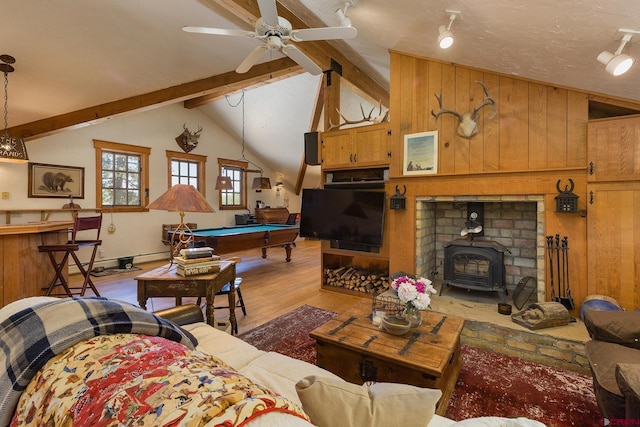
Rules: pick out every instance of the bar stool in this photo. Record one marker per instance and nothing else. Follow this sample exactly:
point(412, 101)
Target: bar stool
point(80, 224)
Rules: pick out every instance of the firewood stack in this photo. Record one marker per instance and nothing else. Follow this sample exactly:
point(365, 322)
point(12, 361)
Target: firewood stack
point(357, 280)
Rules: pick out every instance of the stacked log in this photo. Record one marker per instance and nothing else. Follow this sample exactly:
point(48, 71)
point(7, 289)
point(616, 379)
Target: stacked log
point(358, 280)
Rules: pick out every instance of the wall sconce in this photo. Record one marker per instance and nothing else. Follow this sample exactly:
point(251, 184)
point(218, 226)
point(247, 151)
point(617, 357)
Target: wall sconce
point(279, 186)
point(618, 63)
point(224, 183)
point(445, 38)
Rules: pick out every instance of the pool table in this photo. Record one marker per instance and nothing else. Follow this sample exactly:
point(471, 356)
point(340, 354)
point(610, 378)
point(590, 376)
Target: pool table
point(232, 239)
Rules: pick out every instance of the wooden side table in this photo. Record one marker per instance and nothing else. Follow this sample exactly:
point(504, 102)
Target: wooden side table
point(426, 356)
point(165, 282)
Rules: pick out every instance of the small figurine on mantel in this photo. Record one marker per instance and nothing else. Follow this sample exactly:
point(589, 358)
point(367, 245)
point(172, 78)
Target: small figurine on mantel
point(70, 205)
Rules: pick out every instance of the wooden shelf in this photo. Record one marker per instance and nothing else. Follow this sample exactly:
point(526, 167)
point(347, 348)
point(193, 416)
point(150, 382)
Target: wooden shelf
point(44, 213)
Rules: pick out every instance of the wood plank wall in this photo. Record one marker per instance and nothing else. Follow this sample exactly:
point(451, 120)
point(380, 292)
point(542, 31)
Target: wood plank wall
point(537, 137)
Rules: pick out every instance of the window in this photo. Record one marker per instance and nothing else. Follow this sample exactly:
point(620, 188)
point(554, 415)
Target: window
point(122, 176)
point(185, 168)
point(235, 198)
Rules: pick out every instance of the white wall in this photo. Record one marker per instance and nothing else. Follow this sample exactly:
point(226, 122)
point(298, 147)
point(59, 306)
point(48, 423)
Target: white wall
point(137, 234)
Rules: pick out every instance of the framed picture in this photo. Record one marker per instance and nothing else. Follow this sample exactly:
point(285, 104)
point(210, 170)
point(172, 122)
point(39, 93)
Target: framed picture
point(421, 153)
point(56, 181)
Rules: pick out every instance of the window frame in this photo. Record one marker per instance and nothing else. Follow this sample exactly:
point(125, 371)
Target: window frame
point(200, 160)
point(120, 148)
point(243, 187)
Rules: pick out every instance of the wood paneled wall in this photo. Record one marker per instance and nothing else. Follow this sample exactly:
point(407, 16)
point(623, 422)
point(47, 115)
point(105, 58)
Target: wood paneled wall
point(537, 137)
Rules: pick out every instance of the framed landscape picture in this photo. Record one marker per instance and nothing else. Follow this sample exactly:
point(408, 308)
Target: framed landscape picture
point(56, 181)
point(421, 153)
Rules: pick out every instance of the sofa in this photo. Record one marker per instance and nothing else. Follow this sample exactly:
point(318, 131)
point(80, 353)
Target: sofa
point(614, 358)
point(82, 361)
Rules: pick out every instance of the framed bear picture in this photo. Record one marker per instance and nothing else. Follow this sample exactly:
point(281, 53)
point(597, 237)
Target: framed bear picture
point(56, 181)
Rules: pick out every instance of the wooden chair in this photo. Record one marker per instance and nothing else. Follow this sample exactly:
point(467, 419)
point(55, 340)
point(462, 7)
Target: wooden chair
point(227, 288)
point(80, 224)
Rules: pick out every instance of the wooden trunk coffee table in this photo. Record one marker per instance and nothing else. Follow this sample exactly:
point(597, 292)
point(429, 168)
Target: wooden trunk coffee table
point(426, 356)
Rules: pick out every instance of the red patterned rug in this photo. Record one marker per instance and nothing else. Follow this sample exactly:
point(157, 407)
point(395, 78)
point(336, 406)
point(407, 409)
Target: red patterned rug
point(490, 384)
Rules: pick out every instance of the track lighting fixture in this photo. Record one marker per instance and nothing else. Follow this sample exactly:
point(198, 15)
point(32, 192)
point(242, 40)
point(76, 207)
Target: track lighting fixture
point(618, 63)
point(342, 13)
point(445, 38)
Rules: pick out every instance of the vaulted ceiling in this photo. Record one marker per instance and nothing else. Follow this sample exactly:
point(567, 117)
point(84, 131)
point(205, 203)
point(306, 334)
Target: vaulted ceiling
point(81, 62)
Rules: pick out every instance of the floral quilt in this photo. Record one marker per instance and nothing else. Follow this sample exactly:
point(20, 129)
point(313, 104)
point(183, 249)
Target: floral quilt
point(132, 379)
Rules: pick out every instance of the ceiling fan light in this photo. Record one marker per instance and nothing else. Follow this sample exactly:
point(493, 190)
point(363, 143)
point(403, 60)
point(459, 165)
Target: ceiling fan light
point(445, 39)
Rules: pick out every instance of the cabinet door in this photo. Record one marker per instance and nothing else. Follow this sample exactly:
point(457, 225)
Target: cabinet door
point(613, 239)
point(337, 149)
point(614, 149)
point(371, 145)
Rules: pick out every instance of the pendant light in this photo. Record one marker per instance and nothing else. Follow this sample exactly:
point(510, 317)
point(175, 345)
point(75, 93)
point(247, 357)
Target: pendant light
point(11, 149)
point(261, 182)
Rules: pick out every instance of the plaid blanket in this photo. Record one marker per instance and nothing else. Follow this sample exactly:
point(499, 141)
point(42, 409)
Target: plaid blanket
point(30, 337)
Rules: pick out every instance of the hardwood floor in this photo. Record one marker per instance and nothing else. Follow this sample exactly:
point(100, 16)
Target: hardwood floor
point(270, 286)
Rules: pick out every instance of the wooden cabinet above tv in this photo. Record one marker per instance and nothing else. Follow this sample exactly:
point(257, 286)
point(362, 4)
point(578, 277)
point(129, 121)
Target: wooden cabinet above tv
point(359, 147)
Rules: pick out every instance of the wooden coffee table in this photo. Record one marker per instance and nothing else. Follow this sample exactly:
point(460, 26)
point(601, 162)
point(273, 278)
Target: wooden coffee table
point(426, 356)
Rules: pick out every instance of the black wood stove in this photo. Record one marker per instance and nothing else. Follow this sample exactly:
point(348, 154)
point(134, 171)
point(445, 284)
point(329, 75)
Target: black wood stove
point(475, 265)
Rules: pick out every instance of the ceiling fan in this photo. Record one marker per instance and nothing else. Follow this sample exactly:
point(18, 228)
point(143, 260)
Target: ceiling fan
point(275, 31)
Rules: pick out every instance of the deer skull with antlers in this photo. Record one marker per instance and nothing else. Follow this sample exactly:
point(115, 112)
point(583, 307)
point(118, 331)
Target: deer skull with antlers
point(467, 125)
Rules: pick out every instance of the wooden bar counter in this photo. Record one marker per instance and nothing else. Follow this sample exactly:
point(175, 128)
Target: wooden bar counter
point(24, 270)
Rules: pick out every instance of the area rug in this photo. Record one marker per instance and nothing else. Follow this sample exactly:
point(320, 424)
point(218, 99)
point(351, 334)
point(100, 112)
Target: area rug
point(490, 384)
point(289, 333)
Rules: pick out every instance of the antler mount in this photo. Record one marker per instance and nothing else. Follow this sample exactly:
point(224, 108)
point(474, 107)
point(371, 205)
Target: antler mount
point(467, 125)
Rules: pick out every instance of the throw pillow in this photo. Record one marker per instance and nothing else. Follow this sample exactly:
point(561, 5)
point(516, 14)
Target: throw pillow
point(328, 400)
point(619, 327)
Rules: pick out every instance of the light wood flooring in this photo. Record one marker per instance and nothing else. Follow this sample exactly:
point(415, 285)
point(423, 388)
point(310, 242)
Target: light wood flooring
point(270, 287)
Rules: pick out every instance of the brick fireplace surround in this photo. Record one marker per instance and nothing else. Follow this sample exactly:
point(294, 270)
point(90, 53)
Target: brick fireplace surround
point(517, 222)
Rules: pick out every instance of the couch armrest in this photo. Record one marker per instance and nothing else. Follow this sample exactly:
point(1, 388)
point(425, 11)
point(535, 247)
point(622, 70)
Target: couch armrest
point(619, 327)
point(628, 378)
point(182, 314)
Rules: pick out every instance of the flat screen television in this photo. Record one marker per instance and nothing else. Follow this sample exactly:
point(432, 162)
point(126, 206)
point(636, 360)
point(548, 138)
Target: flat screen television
point(350, 217)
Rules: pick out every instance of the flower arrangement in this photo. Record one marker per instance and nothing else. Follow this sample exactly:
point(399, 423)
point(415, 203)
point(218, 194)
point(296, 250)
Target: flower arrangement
point(413, 291)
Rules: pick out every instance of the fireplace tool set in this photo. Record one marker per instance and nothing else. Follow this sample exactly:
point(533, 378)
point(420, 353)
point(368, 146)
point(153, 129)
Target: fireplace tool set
point(558, 252)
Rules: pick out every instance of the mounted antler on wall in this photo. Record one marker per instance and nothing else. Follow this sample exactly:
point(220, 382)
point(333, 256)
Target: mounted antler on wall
point(188, 140)
point(365, 118)
point(467, 126)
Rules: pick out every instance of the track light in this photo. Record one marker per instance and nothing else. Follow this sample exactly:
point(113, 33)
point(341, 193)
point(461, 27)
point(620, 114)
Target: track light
point(445, 38)
point(617, 63)
point(343, 19)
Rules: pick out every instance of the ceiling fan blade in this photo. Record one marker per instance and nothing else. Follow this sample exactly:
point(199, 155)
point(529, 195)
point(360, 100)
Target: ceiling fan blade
point(251, 60)
point(268, 11)
point(325, 33)
point(301, 59)
point(219, 31)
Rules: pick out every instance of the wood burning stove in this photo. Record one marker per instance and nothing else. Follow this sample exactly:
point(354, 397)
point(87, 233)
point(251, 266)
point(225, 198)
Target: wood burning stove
point(475, 265)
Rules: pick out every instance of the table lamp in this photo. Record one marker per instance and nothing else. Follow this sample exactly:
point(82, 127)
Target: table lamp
point(181, 198)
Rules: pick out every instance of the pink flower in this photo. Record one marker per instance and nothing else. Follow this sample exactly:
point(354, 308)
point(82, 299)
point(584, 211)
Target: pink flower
point(416, 292)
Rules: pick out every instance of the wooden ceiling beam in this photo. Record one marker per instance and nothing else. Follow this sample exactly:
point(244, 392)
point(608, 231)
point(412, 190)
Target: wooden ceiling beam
point(321, 52)
point(217, 85)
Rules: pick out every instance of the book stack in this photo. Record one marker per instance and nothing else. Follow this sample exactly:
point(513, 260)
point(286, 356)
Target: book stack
point(195, 261)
